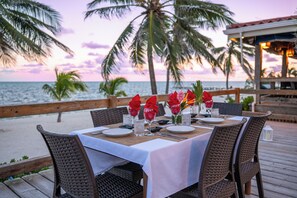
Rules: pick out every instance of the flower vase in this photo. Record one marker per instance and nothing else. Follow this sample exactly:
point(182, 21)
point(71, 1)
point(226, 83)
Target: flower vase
point(194, 109)
point(177, 119)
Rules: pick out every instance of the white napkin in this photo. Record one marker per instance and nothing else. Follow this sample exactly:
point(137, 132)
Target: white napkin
point(95, 130)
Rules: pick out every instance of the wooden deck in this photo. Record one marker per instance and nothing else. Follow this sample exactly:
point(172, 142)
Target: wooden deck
point(278, 165)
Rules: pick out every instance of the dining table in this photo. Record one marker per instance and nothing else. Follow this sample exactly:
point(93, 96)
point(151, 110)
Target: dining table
point(170, 159)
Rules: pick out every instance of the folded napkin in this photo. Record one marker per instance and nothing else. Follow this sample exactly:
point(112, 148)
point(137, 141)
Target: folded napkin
point(134, 105)
point(95, 130)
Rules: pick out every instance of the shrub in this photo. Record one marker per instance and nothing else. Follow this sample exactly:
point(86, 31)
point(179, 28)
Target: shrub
point(246, 102)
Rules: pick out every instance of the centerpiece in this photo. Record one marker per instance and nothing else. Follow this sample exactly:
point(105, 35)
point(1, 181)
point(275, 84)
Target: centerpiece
point(177, 102)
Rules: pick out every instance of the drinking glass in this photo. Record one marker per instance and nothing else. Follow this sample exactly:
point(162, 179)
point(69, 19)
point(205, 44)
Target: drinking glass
point(127, 119)
point(215, 113)
point(134, 114)
point(139, 127)
point(149, 116)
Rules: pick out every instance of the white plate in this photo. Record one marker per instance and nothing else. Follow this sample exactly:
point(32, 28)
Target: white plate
point(180, 129)
point(168, 115)
point(212, 120)
point(117, 132)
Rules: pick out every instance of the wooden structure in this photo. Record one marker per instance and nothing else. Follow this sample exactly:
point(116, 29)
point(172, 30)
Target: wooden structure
point(278, 167)
point(277, 36)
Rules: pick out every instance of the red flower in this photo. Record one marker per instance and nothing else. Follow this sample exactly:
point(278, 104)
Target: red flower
point(190, 98)
point(173, 100)
point(134, 105)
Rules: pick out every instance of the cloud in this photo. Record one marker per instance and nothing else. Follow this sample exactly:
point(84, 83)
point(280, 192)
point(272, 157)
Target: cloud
point(35, 71)
point(33, 65)
point(92, 45)
point(93, 54)
point(69, 56)
point(65, 31)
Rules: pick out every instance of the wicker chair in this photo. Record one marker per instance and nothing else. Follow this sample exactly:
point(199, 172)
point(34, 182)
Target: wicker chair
point(130, 171)
point(216, 177)
point(228, 108)
point(161, 111)
point(247, 163)
point(108, 116)
point(74, 174)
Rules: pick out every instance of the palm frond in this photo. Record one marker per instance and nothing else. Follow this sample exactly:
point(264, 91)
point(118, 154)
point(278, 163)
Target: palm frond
point(109, 62)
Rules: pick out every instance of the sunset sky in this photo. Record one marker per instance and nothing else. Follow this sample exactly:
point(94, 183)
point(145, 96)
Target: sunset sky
point(92, 38)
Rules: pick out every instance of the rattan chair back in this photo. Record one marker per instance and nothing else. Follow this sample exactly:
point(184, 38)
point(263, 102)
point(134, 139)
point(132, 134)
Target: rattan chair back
point(73, 171)
point(161, 111)
point(228, 108)
point(248, 144)
point(247, 163)
point(108, 116)
point(216, 168)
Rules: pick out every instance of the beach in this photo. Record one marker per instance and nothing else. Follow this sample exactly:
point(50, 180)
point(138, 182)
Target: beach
point(19, 137)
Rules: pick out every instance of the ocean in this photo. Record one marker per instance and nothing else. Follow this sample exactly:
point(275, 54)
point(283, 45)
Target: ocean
point(14, 93)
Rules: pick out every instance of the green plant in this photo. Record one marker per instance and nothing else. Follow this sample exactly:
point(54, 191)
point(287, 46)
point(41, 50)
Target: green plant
point(230, 100)
point(197, 90)
point(246, 101)
point(111, 87)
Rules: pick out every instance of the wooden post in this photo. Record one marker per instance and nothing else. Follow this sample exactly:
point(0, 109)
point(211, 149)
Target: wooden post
point(248, 188)
point(113, 102)
point(258, 68)
point(284, 63)
point(237, 95)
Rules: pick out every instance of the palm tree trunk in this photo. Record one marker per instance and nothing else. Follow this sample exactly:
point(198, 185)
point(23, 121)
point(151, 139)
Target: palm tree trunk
point(227, 81)
point(167, 81)
point(151, 70)
point(59, 117)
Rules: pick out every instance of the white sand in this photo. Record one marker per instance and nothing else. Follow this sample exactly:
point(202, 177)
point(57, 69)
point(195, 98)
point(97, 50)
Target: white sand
point(19, 137)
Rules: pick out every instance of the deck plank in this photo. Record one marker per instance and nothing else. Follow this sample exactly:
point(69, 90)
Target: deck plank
point(49, 174)
point(23, 189)
point(6, 192)
point(41, 183)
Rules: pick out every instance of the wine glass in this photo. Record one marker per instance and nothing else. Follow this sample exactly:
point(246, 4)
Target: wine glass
point(149, 116)
point(133, 113)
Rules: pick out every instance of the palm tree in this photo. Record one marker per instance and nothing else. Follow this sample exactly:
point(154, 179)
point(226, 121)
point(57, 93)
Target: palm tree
point(164, 28)
point(230, 55)
point(25, 28)
point(66, 84)
point(111, 87)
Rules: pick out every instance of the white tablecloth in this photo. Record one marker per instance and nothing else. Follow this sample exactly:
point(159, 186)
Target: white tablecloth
point(169, 165)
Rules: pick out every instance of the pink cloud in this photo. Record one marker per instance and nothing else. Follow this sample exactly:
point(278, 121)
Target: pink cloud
point(65, 31)
point(92, 45)
point(33, 65)
point(69, 56)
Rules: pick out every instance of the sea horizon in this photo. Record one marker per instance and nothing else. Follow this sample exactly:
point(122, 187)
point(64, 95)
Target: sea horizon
point(24, 92)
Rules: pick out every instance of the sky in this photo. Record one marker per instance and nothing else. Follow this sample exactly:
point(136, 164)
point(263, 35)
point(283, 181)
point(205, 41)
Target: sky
point(91, 39)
